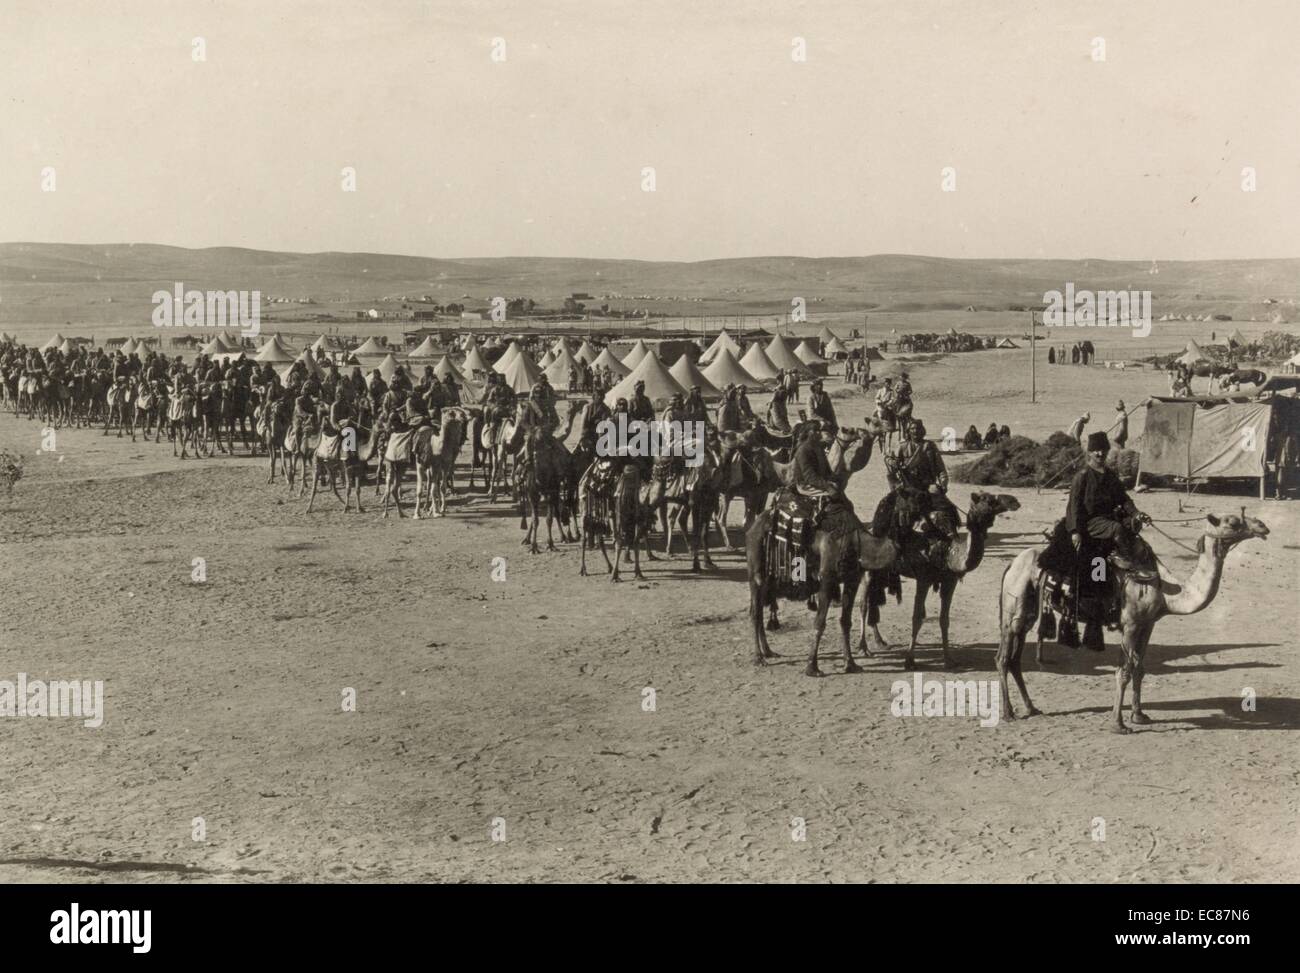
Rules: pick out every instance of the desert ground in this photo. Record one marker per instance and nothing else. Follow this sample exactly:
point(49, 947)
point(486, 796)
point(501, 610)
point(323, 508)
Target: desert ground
point(522, 699)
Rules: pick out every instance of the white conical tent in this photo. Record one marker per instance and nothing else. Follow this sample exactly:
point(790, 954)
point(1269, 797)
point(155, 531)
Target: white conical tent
point(561, 344)
point(326, 343)
point(723, 340)
point(274, 353)
point(445, 368)
point(68, 347)
point(388, 367)
point(724, 370)
point(547, 358)
point(807, 354)
point(468, 342)
point(129, 347)
point(280, 343)
point(216, 347)
point(504, 362)
point(586, 353)
point(54, 342)
point(557, 372)
point(306, 358)
point(780, 355)
point(659, 384)
point(633, 357)
point(826, 335)
point(522, 373)
point(758, 364)
point(474, 361)
point(687, 373)
point(606, 359)
point(426, 349)
point(835, 348)
point(1237, 338)
point(371, 346)
point(1192, 355)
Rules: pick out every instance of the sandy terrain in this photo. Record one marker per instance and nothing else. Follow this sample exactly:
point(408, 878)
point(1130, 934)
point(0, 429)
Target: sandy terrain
point(522, 699)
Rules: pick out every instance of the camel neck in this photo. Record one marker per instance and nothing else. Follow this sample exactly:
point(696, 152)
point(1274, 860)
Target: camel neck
point(1190, 596)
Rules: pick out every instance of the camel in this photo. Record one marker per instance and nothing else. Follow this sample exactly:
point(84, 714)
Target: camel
point(959, 559)
point(271, 420)
point(843, 556)
point(119, 398)
point(1142, 605)
point(183, 419)
point(434, 454)
point(540, 478)
point(612, 502)
point(300, 444)
point(333, 456)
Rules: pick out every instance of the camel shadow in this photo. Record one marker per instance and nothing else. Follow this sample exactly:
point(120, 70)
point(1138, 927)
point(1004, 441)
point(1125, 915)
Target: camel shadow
point(1273, 713)
point(1082, 662)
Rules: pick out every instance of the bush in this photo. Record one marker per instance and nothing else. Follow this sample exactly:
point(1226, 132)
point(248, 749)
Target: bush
point(1021, 462)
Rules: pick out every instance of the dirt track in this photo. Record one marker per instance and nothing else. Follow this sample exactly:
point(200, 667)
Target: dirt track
point(522, 699)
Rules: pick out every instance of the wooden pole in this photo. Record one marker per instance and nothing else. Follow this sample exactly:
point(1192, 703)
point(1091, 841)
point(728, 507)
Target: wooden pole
point(1033, 358)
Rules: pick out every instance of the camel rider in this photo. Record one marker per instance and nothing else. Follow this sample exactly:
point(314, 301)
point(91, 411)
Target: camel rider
point(641, 407)
point(358, 382)
point(536, 417)
point(543, 392)
point(820, 405)
point(730, 419)
point(812, 471)
point(378, 388)
point(917, 473)
point(450, 392)
point(1102, 519)
point(434, 398)
point(746, 410)
point(1100, 515)
point(304, 411)
point(672, 425)
point(696, 410)
point(597, 413)
point(778, 418)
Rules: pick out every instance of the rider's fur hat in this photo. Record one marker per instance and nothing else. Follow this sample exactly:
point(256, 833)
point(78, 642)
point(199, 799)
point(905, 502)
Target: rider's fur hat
point(1097, 440)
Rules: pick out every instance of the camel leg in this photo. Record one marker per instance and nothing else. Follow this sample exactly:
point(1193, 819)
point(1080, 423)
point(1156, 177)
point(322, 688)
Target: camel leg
point(918, 619)
point(947, 587)
point(314, 481)
point(334, 484)
point(534, 509)
point(639, 539)
point(819, 627)
point(419, 488)
point(551, 505)
point(1136, 715)
point(871, 623)
point(846, 625)
point(1122, 674)
point(757, 595)
point(618, 550)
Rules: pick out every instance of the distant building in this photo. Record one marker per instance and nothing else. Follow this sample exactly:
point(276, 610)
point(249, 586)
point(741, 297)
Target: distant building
point(473, 315)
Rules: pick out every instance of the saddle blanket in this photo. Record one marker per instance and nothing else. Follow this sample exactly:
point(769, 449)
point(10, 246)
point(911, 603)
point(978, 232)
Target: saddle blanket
point(400, 446)
point(330, 447)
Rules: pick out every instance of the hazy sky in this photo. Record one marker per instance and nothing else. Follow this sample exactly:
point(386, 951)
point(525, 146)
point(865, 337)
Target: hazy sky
point(1056, 155)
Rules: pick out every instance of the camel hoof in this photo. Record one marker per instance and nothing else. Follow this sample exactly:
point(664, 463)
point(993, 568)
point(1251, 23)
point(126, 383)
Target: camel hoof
point(638, 575)
point(774, 624)
point(709, 565)
point(1118, 728)
point(614, 579)
point(852, 667)
point(812, 670)
point(759, 661)
point(1139, 719)
point(1033, 711)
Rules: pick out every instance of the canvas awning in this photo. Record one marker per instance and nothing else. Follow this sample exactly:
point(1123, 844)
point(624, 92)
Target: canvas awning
point(1204, 439)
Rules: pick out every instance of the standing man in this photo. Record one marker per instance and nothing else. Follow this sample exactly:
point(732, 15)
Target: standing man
point(1121, 435)
point(1076, 427)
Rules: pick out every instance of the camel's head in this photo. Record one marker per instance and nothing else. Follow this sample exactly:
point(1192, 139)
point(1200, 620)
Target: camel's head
point(984, 508)
point(1232, 530)
point(873, 427)
point(857, 450)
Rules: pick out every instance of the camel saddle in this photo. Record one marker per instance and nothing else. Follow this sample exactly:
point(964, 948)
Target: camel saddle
point(793, 530)
point(1069, 587)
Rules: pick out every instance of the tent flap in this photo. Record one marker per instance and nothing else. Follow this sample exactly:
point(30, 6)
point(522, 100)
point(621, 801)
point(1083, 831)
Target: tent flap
point(1186, 439)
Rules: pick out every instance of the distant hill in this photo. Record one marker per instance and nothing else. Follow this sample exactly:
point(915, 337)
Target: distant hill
point(46, 274)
